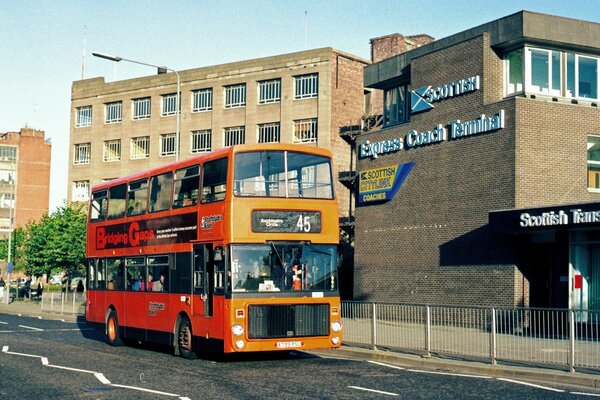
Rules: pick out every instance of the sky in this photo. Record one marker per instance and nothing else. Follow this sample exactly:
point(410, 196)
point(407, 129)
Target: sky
point(45, 45)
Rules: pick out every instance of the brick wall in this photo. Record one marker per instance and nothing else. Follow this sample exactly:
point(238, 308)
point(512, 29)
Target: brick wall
point(432, 243)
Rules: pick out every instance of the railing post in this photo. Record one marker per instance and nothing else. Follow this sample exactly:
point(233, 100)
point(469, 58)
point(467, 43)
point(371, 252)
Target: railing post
point(374, 327)
point(427, 332)
point(73, 309)
point(493, 338)
point(571, 341)
point(52, 302)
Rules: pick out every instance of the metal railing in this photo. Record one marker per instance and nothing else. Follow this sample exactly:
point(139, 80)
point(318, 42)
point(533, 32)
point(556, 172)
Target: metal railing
point(63, 302)
point(554, 337)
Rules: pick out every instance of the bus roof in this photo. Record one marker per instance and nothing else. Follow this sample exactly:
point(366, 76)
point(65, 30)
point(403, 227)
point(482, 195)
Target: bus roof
point(219, 153)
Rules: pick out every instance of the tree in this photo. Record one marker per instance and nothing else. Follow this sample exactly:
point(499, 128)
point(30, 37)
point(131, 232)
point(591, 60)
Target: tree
point(54, 243)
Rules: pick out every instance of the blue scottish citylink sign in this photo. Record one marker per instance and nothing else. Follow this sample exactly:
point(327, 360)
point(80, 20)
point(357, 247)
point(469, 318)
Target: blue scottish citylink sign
point(382, 184)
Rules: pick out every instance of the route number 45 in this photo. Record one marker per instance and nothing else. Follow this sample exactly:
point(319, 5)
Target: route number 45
point(303, 223)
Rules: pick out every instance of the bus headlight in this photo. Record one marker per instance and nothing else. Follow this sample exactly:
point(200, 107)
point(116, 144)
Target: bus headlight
point(237, 330)
point(239, 344)
point(336, 326)
point(335, 340)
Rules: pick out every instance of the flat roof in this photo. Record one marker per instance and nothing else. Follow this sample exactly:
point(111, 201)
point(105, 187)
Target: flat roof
point(508, 32)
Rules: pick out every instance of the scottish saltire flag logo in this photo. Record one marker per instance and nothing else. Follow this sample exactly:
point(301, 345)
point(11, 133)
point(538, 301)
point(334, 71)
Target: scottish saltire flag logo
point(418, 101)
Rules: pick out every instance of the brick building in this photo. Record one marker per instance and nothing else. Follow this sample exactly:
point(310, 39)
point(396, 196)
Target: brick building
point(24, 179)
point(122, 127)
point(503, 116)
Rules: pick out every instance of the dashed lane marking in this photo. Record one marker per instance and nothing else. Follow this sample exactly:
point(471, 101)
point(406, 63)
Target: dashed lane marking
point(531, 384)
point(373, 391)
point(97, 375)
point(31, 327)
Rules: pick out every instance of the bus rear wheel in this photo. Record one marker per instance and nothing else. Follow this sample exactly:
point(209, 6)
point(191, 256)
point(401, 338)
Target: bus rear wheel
point(185, 339)
point(112, 329)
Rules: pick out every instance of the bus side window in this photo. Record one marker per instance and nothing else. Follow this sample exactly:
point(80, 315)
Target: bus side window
point(187, 181)
point(137, 197)
point(91, 273)
point(161, 187)
point(214, 180)
point(99, 205)
point(116, 201)
point(101, 276)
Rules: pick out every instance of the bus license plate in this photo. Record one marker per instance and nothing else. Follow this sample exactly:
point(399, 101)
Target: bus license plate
point(289, 345)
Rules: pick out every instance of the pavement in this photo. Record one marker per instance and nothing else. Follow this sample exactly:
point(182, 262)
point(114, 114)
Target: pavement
point(434, 363)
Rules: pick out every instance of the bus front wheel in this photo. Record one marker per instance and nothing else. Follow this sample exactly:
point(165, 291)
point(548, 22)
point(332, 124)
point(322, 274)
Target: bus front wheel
point(112, 329)
point(184, 339)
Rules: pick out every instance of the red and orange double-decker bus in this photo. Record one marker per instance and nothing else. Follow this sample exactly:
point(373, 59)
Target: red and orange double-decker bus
point(234, 249)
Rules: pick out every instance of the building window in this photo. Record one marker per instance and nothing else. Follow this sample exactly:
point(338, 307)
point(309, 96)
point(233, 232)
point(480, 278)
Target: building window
point(8, 153)
point(582, 76)
point(396, 105)
point(140, 147)
point(269, 133)
point(269, 91)
point(81, 191)
point(552, 73)
point(235, 135)
point(112, 150)
point(514, 72)
point(141, 108)
point(83, 152)
point(593, 157)
point(202, 100)
point(169, 104)
point(201, 141)
point(84, 116)
point(113, 112)
point(305, 131)
point(167, 144)
point(235, 96)
point(306, 86)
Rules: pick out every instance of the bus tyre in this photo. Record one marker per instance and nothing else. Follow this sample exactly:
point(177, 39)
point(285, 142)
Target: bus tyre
point(184, 339)
point(112, 329)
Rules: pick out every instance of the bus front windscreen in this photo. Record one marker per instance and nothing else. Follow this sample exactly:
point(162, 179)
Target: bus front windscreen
point(282, 174)
point(275, 267)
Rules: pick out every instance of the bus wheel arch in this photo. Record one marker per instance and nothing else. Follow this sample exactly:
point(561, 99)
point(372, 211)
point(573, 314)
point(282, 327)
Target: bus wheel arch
point(183, 337)
point(112, 327)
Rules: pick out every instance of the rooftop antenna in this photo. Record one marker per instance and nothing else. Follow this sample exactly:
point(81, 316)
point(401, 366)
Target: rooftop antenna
point(83, 53)
point(305, 29)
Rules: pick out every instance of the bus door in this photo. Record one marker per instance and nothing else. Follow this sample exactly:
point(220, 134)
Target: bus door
point(204, 279)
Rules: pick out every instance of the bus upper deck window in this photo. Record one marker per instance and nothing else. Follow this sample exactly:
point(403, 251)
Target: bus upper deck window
point(214, 180)
point(99, 206)
point(161, 187)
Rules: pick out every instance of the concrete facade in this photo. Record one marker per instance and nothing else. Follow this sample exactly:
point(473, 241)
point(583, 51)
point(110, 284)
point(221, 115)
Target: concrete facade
point(340, 102)
point(432, 243)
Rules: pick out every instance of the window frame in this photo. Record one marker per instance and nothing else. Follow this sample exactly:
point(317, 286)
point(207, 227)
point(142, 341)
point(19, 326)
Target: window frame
point(134, 145)
point(269, 131)
point(80, 150)
point(113, 112)
point(202, 100)
point(111, 154)
point(313, 131)
point(141, 108)
point(78, 188)
point(166, 139)
point(83, 116)
point(169, 104)
point(234, 95)
point(201, 136)
point(306, 86)
point(269, 91)
point(234, 132)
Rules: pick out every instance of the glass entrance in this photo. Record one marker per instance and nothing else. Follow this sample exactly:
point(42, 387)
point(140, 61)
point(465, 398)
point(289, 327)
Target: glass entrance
point(584, 272)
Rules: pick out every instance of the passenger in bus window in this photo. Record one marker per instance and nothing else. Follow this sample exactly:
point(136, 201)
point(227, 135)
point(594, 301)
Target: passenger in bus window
point(150, 282)
point(159, 285)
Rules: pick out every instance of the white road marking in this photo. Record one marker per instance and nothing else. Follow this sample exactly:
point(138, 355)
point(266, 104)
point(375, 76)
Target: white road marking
point(531, 384)
point(31, 327)
point(586, 394)
point(373, 390)
point(386, 365)
point(145, 390)
point(3, 323)
point(449, 373)
point(102, 378)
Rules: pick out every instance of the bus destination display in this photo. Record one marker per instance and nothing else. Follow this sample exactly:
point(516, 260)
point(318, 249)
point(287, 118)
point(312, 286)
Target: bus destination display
point(286, 221)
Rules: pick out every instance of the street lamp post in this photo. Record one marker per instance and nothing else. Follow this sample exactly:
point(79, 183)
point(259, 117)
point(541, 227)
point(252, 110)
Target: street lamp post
point(177, 99)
